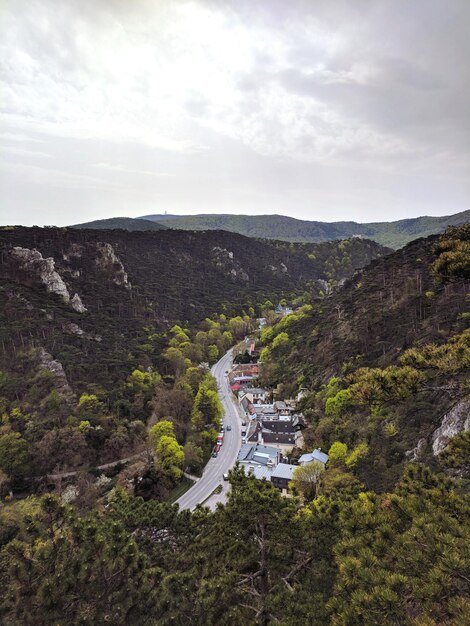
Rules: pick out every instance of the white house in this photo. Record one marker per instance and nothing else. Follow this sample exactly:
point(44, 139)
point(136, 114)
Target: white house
point(310, 457)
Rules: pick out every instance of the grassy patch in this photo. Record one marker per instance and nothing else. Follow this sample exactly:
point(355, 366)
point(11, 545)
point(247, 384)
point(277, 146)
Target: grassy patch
point(180, 489)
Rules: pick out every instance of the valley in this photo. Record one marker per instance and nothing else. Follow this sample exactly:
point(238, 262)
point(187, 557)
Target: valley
point(350, 369)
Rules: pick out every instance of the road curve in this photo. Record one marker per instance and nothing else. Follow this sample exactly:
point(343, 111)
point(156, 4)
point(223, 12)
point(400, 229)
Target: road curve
point(227, 456)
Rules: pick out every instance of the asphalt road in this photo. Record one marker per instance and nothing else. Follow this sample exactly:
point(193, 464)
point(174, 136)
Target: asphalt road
point(216, 467)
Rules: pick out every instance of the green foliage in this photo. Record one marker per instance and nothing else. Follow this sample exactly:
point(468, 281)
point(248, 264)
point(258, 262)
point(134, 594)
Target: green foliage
point(457, 454)
point(402, 555)
point(160, 429)
point(207, 408)
point(14, 455)
point(169, 457)
point(347, 557)
point(453, 254)
point(89, 404)
point(72, 570)
point(306, 480)
point(449, 358)
point(337, 453)
point(280, 341)
point(358, 453)
point(336, 406)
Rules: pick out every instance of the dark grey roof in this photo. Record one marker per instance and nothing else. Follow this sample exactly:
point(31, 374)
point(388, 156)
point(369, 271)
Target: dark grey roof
point(277, 426)
point(285, 438)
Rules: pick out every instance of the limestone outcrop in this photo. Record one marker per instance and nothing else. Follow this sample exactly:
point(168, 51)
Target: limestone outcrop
point(32, 261)
point(457, 420)
point(108, 261)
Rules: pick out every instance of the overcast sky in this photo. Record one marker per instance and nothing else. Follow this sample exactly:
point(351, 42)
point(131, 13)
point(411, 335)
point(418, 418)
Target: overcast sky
point(326, 110)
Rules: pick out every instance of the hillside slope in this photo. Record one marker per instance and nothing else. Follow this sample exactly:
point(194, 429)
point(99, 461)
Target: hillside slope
point(383, 358)
point(391, 234)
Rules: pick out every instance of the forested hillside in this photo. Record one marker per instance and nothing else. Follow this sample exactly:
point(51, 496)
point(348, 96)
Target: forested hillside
point(376, 542)
point(384, 358)
point(391, 234)
point(90, 345)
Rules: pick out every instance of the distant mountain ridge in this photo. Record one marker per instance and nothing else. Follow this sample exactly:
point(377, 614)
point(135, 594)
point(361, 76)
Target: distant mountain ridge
point(392, 234)
point(122, 223)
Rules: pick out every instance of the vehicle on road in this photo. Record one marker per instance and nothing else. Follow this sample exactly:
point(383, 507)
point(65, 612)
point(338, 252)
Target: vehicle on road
point(229, 427)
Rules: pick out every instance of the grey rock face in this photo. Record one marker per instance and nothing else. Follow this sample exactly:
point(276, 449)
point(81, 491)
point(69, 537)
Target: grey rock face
point(108, 261)
point(417, 452)
point(32, 261)
point(225, 260)
point(77, 304)
point(46, 361)
point(457, 420)
point(74, 329)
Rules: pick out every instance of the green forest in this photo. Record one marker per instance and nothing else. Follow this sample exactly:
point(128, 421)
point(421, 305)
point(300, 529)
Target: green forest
point(391, 234)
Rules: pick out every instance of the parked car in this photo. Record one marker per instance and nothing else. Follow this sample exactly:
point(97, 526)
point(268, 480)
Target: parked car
point(225, 476)
point(243, 432)
point(214, 454)
point(244, 423)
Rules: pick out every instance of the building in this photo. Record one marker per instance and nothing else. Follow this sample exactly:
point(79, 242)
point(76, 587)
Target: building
point(282, 475)
point(256, 455)
point(316, 455)
point(274, 432)
point(255, 395)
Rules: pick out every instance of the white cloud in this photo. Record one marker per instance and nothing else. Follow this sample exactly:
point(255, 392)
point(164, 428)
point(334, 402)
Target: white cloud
point(143, 88)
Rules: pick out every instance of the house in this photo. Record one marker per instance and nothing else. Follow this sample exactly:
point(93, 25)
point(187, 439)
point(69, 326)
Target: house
point(298, 422)
point(281, 476)
point(255, 395)
point(275, 432)
point(256, 454)
point(283, 310)
point(281, 408)
point(243, 381)
point(244, 369)
point(310, 457)
point(266, 411)
point(247, 408)
point(260, 472)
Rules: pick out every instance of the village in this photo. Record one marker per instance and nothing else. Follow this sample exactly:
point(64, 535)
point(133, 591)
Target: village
point(272, 429)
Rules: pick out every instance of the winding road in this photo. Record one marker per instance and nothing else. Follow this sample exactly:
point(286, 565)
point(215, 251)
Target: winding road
point(216, 467)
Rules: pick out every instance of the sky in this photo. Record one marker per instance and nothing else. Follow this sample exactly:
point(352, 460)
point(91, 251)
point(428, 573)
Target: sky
point(318, 109)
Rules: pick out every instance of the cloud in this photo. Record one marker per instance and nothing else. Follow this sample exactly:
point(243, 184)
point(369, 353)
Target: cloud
point(344, 94)
point(122, 169)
